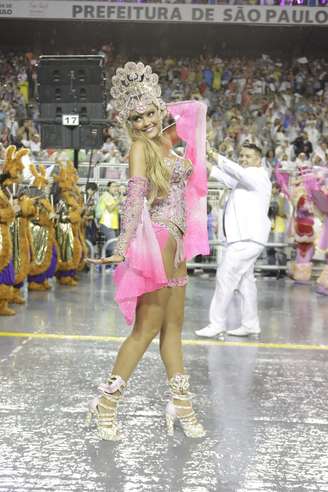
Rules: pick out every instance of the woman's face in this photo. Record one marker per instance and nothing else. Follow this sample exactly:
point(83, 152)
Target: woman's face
point(148, 123)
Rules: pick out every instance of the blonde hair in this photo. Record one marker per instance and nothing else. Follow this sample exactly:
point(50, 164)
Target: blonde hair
point(157, 172)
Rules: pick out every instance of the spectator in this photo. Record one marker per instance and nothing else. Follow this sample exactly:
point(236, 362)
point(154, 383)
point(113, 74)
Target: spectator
point(107, 213)
point(90, 213)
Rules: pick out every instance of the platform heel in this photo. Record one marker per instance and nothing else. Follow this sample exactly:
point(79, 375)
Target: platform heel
point(183, 413)
point(103, 409)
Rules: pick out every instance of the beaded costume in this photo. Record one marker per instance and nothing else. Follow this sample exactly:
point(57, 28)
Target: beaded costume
point(317, 188)
point(19, 228)
point(7, 274)
point(42, 230)
point(310, 198)
point(68, 239)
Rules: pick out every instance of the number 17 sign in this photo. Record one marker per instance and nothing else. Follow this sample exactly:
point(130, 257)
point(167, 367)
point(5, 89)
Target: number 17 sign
point(70, 119)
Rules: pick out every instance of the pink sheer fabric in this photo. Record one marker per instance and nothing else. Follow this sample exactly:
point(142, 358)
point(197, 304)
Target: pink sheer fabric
point(320, 199)
point(283, 181)
point(190, 119)
point(143, 269)
point(314, 184)
point(314, 180)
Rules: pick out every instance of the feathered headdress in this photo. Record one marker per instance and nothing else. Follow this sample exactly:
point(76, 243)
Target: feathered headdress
point(63, 179)
point(13, 165)
point(40, 179)
point(135, 86)
point(72, 172)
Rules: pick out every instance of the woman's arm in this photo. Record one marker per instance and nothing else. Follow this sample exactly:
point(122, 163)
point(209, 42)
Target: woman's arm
point(134, 203)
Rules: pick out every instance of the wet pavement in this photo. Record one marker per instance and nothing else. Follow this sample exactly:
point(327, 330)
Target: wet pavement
point(263, 402)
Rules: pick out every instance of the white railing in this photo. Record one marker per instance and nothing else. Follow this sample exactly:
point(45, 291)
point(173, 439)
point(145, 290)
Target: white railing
point(213, 265)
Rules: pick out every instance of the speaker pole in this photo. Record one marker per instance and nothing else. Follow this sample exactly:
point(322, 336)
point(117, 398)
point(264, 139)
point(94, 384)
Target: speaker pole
point(89, 169)
point(76, 158)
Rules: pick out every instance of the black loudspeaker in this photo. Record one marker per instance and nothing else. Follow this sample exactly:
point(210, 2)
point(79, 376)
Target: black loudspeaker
point(72, 101)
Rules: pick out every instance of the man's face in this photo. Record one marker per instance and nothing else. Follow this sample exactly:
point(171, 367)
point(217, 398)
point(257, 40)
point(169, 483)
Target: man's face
point(249, 158)
point(91, 192)
point(113, 188)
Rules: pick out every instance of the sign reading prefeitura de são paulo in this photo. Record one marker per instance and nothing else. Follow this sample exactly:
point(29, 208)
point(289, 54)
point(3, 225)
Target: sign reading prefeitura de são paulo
point(147, 12)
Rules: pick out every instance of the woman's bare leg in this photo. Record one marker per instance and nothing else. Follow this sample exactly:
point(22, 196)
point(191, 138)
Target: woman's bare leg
point(149, 320)
point(172, 356)
point(170, 335)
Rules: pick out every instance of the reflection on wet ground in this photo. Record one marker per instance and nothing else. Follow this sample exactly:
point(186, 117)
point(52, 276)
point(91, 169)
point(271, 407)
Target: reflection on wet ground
point(264, 409)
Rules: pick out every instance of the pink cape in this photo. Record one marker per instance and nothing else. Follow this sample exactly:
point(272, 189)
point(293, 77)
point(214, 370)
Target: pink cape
point(190, 119)
point(143, 269)
point(313, 182)
point(283, 181)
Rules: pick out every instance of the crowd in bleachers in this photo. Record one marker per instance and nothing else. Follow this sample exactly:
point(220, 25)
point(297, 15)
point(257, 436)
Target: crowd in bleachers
point(280, 105)
point(17, 95)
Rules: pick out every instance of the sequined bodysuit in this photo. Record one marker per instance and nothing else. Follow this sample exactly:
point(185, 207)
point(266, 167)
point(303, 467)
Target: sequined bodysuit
point(169, 211)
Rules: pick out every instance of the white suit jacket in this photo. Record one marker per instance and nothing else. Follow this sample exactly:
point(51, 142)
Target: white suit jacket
point(246, 212)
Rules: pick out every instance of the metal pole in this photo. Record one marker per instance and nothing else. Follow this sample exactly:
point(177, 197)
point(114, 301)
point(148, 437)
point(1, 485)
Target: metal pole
point(76, 158)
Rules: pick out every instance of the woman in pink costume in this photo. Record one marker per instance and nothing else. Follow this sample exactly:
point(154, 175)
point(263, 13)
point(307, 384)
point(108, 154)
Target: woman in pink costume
point(304, 233)
point(317, 187)
point(164, 224)
point(302, 223)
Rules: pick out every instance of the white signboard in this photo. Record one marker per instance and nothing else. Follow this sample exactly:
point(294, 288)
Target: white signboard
point(146, 12)
point(70, 120)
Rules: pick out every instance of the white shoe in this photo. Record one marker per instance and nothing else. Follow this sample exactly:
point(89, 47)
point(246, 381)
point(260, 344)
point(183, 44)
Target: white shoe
point(209, 331)
point(242, 331)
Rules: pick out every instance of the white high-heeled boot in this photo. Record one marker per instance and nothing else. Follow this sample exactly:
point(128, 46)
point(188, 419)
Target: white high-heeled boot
point(104, 409)
point(179, 388)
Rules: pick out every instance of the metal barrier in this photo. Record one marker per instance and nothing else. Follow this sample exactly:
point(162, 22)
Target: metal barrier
point(103, 251)
point(212, 265)
point(91, 248)
point(258, 267)
point(91, 253)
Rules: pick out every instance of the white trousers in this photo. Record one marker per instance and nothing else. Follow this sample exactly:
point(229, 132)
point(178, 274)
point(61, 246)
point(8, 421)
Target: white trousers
point(236, 272)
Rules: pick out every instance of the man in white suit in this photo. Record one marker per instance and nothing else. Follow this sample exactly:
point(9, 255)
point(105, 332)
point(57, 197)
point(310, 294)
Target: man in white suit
point(246, 227)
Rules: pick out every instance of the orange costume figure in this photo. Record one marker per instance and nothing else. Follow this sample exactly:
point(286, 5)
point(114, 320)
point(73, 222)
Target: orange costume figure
point(7, 273)
point(70, 251)
point(83, 223)
point(24, 209)
point(42, 231)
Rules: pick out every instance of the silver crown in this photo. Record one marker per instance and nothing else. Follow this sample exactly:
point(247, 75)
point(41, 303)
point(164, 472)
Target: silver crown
point(135, 86)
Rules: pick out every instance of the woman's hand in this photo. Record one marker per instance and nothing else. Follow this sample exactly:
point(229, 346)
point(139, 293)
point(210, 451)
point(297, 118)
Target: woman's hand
point(114, 259)
point(210, 153)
